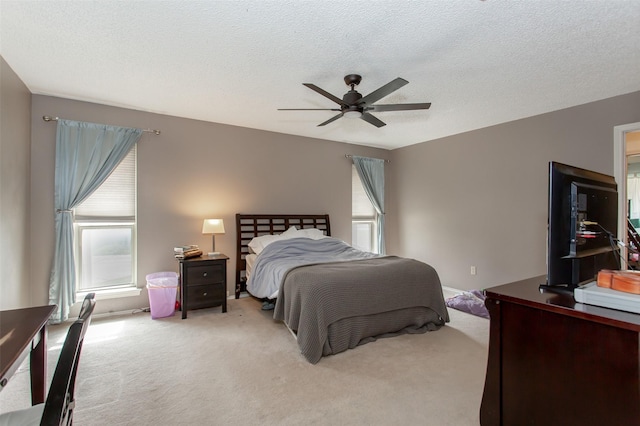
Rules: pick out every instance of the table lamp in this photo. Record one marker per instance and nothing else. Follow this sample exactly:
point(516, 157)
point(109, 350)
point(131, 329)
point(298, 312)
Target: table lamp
point(213, 226)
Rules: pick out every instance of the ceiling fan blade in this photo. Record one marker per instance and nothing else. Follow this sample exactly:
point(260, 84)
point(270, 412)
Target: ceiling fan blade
point(324, 93)
point(384, 91)
point(373, 120)
point(309, 109)
point(398, 107)
point(332, 119)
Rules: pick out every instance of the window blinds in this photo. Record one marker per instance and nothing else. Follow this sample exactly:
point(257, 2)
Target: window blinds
point(116, 197)
point(361, 207)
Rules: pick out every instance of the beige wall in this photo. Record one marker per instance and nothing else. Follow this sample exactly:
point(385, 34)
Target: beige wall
point(480, 198)
point(192, 171)
point(15, 133)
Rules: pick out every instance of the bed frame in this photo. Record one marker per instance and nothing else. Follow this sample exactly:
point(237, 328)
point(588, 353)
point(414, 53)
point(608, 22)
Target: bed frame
point(249, 226)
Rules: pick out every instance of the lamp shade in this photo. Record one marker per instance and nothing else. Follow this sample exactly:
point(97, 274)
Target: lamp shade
point(213, 226)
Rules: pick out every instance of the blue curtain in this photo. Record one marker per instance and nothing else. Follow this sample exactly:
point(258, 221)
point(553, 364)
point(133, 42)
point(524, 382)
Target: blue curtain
point(371, 173)
point(86, 154)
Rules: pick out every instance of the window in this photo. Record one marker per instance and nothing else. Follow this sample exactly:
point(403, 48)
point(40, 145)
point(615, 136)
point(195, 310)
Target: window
point(105, 230)
point(363, 217)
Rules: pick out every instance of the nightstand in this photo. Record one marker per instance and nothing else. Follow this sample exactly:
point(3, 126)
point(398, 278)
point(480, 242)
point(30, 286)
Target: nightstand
point(203, 283)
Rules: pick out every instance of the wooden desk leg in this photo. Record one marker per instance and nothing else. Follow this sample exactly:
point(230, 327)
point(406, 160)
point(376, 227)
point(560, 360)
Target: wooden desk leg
point(38, 367)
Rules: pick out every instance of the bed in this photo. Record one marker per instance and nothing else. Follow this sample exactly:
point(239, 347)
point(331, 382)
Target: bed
point(333, 305)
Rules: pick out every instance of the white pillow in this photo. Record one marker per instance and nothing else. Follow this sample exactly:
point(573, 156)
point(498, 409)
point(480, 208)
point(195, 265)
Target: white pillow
point(313, 233)
point(257, 244)
point(291, 232)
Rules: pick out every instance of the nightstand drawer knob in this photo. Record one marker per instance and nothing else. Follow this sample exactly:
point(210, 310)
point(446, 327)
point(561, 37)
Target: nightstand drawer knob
point(204, 294)
point(204, 275)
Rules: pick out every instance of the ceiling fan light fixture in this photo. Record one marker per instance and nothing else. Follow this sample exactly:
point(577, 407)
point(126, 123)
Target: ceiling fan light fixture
point(352, 114)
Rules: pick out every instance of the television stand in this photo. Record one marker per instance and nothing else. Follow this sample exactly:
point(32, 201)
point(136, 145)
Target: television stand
point(553, 361)
point(557, 288)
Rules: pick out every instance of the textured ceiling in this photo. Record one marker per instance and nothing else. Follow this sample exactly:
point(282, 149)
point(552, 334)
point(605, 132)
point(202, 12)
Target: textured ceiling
point(479, 63)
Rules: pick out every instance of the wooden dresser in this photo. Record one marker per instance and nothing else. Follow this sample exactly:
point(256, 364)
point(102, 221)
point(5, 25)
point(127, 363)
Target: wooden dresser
point(553, 361)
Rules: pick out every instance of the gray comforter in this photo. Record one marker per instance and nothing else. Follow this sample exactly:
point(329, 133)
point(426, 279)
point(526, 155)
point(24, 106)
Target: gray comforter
point(336, 306)
point(281, 256)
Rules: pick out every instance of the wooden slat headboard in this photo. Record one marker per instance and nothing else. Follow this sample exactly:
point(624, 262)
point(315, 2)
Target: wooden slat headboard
point(249, 226)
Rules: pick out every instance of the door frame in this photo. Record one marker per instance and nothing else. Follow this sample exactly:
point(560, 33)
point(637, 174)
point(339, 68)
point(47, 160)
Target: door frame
point(620, 174)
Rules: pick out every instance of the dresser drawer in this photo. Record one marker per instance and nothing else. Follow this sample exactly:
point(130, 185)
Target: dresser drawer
point(204, 296)
point(205, 274)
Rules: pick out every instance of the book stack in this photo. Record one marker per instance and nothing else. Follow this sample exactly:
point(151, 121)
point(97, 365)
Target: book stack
point(186, 252)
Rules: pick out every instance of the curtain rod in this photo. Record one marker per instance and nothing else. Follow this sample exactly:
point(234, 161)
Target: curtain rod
point(48, 118)
point(386, 161)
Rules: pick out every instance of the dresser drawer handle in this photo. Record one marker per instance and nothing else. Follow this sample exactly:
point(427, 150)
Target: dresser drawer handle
point(204, 274)
point(204, 294)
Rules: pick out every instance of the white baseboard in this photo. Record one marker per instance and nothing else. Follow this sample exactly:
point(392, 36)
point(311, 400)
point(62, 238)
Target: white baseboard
point(455, 290)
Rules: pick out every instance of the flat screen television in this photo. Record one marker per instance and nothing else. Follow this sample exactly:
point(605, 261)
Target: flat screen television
point(582, 226)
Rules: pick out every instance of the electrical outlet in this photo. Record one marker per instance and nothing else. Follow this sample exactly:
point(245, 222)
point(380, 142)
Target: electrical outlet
point(474, 271)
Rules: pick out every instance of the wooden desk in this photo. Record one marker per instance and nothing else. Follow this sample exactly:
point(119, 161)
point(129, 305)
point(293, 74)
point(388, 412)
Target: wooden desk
point(24, 331)
point(553, 361)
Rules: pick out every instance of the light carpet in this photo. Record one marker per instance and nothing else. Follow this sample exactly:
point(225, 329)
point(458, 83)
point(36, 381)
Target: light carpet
point(243, 368)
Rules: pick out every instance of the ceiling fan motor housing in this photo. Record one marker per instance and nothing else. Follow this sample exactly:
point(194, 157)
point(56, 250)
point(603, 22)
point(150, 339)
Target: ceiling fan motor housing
point(351, 100)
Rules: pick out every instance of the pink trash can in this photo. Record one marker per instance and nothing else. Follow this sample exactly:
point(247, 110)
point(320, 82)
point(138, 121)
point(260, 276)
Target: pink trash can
point(162, 288)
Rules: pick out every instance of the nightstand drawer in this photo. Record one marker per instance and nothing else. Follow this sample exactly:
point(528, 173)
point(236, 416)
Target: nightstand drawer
point(204, 296)
point(205, 274)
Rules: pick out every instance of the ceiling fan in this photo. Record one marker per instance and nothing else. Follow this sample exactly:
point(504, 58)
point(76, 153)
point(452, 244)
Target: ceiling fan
point(353, 104)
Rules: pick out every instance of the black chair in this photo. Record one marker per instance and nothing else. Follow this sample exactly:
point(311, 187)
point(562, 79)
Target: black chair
point(58, 408)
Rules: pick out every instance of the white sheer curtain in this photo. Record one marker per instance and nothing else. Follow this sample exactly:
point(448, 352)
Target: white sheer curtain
point(86, 154)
